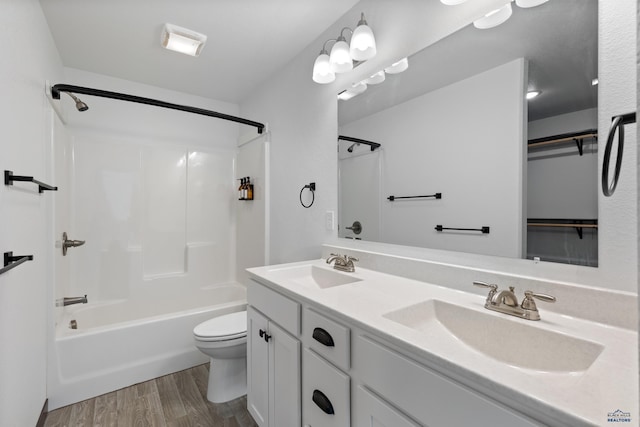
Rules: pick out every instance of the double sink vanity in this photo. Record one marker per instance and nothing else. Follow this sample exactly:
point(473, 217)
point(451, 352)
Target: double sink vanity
point(366, 348)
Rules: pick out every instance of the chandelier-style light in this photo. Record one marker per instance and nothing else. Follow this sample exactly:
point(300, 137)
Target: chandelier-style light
point(362, 47)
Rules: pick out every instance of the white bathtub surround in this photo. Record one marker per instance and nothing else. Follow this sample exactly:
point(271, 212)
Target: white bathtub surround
point(119, 343)
point(580, 391)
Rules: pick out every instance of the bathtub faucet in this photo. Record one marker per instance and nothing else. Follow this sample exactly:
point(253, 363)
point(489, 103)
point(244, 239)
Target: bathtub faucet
point(62, 302)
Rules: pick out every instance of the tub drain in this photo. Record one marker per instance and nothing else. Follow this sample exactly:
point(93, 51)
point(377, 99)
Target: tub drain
point(73, 324)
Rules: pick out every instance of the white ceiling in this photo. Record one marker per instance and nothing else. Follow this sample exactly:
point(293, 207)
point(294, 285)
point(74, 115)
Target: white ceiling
point(248, 40)
point(559, 39)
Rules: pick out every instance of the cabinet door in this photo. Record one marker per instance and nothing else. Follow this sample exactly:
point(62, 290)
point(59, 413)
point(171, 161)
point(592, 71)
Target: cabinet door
point(257, 368)
point(284, 378)
point(372, 411)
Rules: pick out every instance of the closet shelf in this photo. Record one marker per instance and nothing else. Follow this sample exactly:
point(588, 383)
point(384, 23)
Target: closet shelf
point(578, 224)
point(577, 137)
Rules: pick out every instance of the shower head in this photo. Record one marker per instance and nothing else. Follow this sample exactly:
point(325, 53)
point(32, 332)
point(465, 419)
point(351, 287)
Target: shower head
point(81, 106)
point(350, 149)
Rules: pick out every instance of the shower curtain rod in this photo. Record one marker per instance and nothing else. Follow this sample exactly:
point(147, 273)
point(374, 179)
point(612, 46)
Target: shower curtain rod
point(372, 144)
point(56, 89)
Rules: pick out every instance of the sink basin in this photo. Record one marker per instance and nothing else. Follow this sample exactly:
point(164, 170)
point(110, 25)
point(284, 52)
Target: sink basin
point(312, 276)
point(513, 342)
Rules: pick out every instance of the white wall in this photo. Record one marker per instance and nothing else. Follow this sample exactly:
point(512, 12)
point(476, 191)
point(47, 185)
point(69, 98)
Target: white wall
point(442, 142)
point(302, 115)
point(29, 57)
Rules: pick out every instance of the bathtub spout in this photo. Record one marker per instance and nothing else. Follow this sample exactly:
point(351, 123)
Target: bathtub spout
point(71, 300)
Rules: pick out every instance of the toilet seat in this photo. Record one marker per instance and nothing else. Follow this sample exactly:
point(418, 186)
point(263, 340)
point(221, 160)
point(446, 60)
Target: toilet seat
point(223, 328)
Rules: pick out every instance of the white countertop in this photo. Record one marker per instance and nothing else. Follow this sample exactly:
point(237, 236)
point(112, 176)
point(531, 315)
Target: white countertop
point(571, 398)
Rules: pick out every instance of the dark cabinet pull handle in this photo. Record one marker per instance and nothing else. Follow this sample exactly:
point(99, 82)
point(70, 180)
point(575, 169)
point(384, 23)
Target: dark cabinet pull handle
point(323, 402)
point(323, 337)
point(263, 334)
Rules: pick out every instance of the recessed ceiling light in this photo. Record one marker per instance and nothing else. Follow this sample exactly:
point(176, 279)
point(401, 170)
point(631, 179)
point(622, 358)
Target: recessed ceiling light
point(182, 40)
point(533, 93)
point(594, 82)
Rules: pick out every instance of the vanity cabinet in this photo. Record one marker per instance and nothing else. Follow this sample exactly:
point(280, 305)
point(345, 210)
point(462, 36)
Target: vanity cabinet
point(348, 375)
point(420, 393)
point(273, 358)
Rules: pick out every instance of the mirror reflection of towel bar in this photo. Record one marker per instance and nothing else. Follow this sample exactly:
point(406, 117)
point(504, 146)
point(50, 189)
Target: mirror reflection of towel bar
point(483, 230)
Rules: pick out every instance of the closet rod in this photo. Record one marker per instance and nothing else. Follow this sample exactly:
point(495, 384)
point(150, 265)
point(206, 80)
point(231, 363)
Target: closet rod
point(56, 89)
point(563, 137)
point(372, 144)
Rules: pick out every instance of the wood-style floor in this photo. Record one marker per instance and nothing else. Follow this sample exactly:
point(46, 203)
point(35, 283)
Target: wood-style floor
point(179, 399)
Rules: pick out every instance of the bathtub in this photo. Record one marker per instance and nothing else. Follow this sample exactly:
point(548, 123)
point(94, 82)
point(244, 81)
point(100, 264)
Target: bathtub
point(120, 343)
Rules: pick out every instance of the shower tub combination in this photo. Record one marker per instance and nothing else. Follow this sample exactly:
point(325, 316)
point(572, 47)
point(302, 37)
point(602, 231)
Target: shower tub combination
point(152, 192)
point(117, 344)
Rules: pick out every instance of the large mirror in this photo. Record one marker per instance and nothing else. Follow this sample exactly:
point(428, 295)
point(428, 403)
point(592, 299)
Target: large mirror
point(497, 173)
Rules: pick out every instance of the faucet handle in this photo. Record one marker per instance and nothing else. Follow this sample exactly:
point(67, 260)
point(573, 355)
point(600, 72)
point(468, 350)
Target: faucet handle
point(541, 297)
point(351, 258)
point(529, 304)
point(485, 285)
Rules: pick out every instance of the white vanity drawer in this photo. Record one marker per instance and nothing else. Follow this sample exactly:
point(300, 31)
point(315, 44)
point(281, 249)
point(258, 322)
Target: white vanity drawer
point(425, 395)
point(282, 310)
point(325, 393)
point(327, 338)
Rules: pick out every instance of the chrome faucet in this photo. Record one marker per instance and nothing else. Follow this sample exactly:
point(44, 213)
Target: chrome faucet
point(63, 302)
point(507, 302)
point(342, 262)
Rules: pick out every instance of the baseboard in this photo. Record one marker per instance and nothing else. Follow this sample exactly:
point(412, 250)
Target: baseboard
point(43, 414)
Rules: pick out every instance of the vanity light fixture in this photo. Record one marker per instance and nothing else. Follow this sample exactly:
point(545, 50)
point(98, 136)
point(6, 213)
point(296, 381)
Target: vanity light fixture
point(182, 40)
point(355, 89)
point(397, 67)
point(494, 18)
point(452, 2)
point(499, 16)
point(377, 78)
point(533, 93)
point(361, 48)
point(322, 71)
point(530, 3)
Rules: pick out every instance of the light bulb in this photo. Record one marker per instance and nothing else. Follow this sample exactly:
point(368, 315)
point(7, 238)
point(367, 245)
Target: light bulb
point(363, 43)
point(322, 72)
point(340, 59)
point(452, 2)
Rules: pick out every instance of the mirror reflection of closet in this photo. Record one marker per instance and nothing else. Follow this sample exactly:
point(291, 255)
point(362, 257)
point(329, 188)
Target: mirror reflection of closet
point(457, 122)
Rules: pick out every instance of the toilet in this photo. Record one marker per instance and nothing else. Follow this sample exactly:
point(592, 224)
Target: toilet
point(224, 340)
